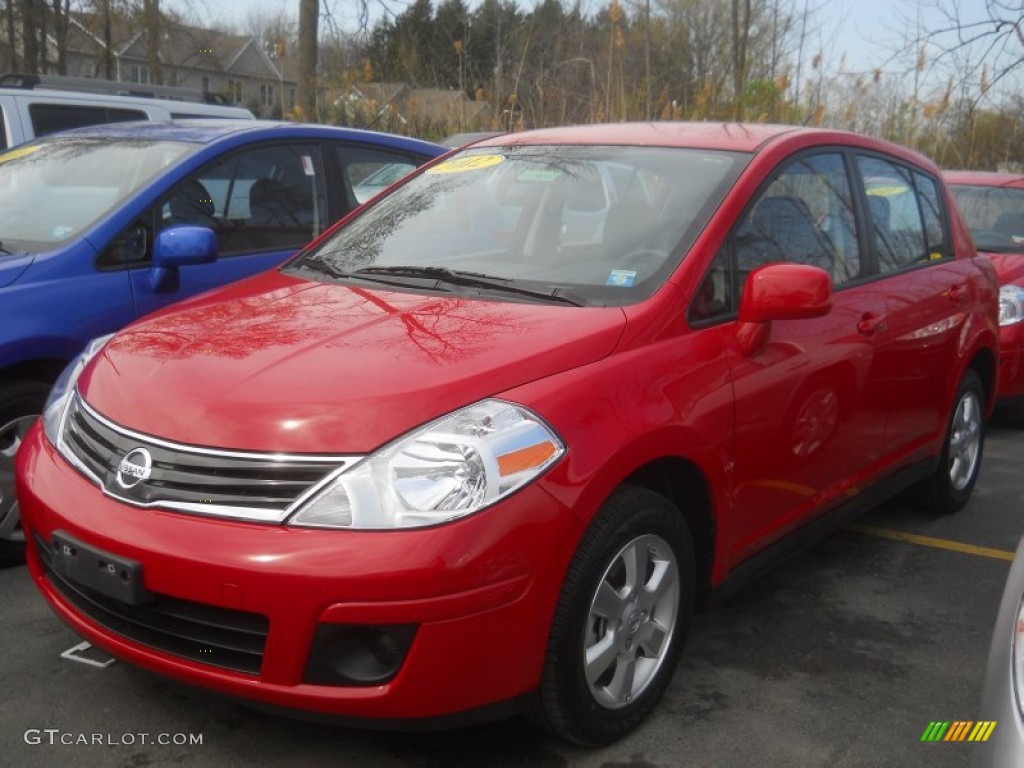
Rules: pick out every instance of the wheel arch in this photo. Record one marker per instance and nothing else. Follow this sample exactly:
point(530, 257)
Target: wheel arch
point(684, 484)
point(984, 363)
point(43, 370)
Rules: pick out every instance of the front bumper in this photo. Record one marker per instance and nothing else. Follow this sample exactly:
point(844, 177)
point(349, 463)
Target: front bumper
point(480, 593)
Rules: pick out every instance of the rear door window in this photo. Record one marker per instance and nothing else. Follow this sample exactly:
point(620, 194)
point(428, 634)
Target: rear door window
point(366, 172)
point(904, 214)
point(51, 118)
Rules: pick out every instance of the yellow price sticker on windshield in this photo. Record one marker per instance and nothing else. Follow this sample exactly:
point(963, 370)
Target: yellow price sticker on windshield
point(887, 191)
point(18, 153)
point(471, 163)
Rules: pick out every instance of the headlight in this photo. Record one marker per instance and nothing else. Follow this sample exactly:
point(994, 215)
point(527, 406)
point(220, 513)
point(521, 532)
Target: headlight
point(1011, 304)
point(1018, 657)
point(448, 469)
point(60, 395)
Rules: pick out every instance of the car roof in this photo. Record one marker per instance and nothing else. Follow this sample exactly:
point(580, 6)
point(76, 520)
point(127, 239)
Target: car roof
point(737, 137)
point(462, 139)
point(207, 131)
point(983, 178)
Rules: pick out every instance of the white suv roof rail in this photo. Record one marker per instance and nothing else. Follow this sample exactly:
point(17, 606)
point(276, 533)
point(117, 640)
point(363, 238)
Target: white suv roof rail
point(96, 85)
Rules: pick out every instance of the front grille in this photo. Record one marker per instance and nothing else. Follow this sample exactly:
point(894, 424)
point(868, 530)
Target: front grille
point(192, 478)
point(221, 637)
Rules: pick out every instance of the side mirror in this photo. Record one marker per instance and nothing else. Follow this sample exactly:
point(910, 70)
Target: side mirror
point(780, 292)
point(180, 247)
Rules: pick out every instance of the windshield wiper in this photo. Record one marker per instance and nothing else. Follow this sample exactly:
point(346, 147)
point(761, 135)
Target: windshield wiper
point(470, 280)
point(326, 268)
point(444, 275)
point(323, 267)
point(439, 273)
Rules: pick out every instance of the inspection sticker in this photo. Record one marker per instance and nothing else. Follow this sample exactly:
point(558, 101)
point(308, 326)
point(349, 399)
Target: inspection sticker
point(621, 277)
point(471, 163)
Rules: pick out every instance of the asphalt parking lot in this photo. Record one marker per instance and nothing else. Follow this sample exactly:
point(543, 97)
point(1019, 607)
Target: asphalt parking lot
point(841, 657)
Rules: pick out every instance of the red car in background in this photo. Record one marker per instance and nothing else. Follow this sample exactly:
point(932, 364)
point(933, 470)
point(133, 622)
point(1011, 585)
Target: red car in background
point(992, 206)
point(488, 445)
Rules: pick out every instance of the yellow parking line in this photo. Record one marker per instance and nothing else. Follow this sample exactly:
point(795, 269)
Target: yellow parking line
point(929, 541)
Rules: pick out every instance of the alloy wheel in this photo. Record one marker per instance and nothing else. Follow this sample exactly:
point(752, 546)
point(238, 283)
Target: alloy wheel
point(965, 440)
point(632, 616)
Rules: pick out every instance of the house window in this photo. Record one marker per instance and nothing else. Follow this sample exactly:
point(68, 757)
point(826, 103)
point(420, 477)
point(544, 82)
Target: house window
point(138, 73)
point(266, 95)
point(206, 83)
point(235, 91)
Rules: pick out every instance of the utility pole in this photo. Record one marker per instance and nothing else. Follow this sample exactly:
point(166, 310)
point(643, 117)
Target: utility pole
point(647, 60)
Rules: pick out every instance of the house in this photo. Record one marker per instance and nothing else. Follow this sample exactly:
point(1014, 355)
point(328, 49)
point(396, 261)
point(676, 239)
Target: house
point(238, 66)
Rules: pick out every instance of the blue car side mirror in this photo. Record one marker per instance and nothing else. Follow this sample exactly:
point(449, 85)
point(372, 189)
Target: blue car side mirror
point(180, 247)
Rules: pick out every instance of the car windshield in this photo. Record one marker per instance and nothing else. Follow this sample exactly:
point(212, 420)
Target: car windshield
point(55, 188)
point(995, 216)
point(602, 224)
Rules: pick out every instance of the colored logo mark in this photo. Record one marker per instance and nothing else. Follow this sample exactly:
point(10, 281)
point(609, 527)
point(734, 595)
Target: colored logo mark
point(958, 730)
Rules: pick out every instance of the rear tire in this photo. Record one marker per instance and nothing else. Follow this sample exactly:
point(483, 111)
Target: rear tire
point(21, 402)
point(621, 620)
point(949, 488)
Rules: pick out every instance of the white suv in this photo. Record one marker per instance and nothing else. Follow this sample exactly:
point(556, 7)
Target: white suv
point(36, 105)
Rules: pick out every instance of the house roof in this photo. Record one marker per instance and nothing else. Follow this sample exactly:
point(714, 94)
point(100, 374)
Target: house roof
point(181, 45)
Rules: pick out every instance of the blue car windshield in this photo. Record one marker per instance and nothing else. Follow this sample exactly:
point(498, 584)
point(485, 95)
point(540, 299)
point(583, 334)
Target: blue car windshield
point(53, 189)
point(604, 224)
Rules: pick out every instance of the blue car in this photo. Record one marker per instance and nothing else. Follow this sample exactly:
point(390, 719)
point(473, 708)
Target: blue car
point(102, 225)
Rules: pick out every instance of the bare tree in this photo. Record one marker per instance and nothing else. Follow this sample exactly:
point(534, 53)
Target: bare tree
point(61, 10)
point(33, 35)
point(10, 21)
point(305, 92)
point(151, 25)
point(740, 38)
point(984, 48)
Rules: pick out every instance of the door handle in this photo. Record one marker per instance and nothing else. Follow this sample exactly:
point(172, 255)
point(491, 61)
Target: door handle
point(871, 323)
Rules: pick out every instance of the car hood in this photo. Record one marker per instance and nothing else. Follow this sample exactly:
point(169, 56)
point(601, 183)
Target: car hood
point(12, 265)
point(275, 363)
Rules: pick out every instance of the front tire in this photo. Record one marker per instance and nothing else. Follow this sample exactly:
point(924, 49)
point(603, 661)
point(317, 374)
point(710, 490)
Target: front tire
point(621, 620)
point(21, 402)
point(949, 488)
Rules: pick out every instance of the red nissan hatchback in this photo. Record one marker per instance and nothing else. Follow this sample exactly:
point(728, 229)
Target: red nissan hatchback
point(488, 443)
